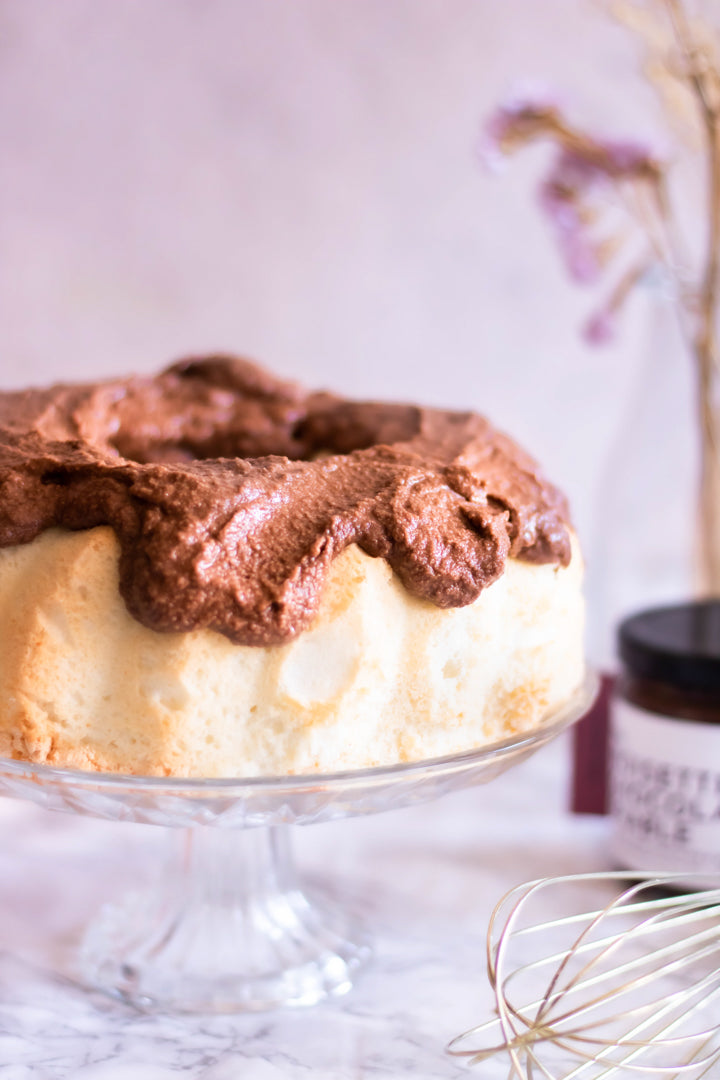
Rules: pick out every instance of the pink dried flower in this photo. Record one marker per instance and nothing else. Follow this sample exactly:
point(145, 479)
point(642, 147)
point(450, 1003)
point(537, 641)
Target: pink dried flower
point(561, 199)
point(578, 188)
point(600, 327)
point(586, 176)
point(504, 129)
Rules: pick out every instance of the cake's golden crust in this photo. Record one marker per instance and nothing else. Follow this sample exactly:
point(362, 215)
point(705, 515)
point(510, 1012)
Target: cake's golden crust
point(379, 677)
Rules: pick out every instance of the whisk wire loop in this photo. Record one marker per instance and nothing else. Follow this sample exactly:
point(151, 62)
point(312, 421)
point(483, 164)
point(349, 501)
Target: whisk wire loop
point(622, 988)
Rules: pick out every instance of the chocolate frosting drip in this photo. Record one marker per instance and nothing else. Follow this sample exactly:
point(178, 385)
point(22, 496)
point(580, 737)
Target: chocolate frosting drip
point(231, 491)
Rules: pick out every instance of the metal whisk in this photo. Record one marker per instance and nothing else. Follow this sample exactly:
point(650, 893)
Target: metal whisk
point(633, 986)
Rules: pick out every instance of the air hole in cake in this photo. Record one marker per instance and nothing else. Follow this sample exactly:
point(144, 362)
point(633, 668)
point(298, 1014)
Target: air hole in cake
point(57, 477)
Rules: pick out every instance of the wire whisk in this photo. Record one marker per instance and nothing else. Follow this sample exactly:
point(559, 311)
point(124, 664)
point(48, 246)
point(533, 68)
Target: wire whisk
point(633, 986)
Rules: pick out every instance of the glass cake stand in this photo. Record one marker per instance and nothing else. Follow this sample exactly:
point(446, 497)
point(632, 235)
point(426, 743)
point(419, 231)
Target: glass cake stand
point(229, 927)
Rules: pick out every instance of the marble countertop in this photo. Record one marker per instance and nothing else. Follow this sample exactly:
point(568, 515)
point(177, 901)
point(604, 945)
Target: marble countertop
point(426, 878)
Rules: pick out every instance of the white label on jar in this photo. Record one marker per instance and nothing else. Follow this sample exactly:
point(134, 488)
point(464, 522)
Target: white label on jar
point(664, 791)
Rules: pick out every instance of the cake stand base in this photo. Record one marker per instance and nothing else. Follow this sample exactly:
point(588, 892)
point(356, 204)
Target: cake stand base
point(228, 929)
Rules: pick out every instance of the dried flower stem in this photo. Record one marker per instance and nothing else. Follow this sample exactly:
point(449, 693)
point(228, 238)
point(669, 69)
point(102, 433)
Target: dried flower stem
point(684, 64)
point(705, 343)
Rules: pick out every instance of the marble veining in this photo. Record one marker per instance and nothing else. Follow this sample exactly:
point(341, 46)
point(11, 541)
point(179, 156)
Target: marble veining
point(426, 878)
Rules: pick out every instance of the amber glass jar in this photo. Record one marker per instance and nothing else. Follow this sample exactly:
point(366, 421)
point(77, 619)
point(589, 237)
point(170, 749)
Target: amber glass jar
point(665, 742)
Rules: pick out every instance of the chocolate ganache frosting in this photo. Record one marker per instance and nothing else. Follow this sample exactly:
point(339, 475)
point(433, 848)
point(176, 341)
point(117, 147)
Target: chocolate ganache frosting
point(231, 491)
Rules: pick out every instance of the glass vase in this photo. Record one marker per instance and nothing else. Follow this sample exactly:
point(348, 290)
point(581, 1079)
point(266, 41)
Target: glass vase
point(646, 547)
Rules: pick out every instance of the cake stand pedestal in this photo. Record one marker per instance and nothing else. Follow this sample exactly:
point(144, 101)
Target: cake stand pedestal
point(229, 927)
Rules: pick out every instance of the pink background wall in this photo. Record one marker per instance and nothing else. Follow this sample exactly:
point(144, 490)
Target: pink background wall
point(298, 181)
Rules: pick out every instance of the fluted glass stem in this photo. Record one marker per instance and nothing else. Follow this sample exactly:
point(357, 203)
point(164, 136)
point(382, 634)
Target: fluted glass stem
point(228, 929)
point(232, 866)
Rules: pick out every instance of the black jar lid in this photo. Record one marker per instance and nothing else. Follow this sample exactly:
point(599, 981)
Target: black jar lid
point(677, 645)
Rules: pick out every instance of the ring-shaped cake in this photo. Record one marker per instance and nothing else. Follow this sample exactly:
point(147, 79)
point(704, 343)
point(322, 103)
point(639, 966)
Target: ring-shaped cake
point(213, 573)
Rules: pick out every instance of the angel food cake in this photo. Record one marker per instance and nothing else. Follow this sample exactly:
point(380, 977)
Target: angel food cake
point(213, 573)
